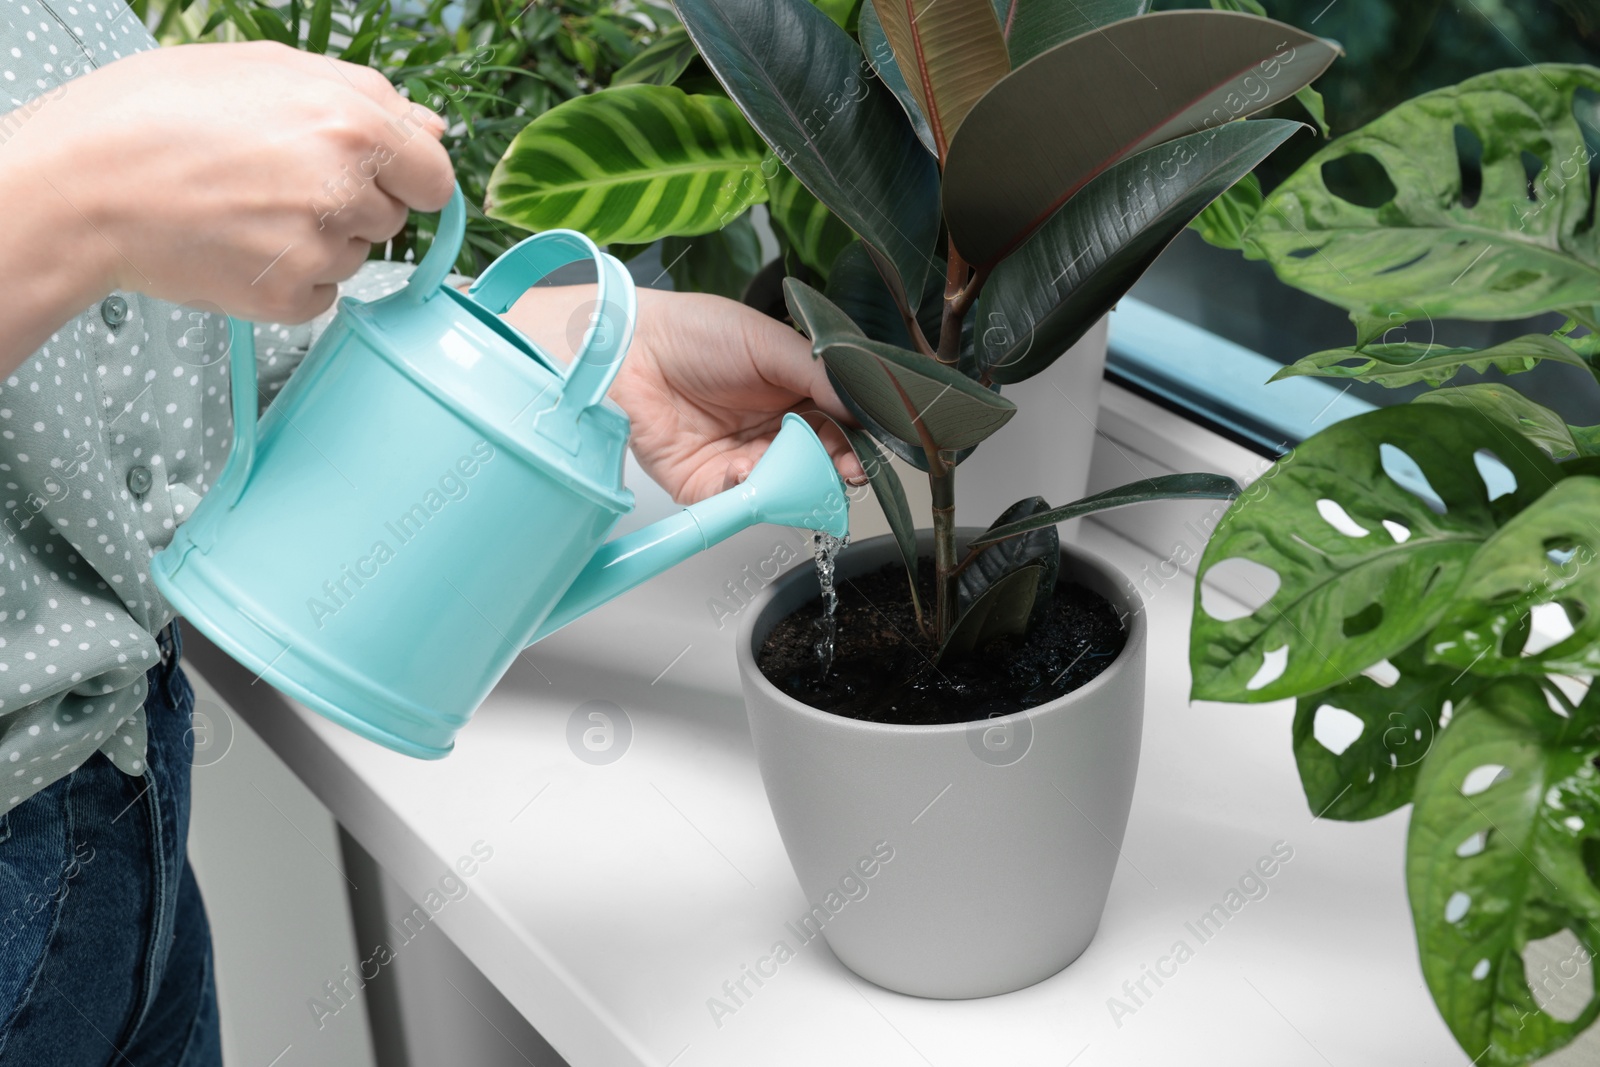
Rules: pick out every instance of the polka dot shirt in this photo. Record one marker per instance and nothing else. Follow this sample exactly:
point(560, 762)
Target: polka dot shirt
point(109, 436)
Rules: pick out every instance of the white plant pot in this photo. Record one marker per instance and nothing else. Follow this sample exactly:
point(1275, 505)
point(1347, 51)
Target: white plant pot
point(959, 860)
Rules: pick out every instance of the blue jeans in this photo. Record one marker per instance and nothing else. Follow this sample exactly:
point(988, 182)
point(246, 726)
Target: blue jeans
point(105, 952)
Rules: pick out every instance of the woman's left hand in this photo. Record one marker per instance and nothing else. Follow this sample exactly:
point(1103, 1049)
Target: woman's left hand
point(706, 383)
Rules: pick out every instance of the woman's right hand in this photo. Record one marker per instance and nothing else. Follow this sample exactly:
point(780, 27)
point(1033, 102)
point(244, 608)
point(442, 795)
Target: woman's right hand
point(253, 177)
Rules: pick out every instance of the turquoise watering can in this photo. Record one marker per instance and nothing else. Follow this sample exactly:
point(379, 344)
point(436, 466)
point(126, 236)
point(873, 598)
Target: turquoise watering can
point(431, 493)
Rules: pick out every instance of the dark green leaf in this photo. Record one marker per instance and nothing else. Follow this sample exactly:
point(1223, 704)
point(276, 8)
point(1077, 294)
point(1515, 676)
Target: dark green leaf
point(1002, 610)
point(1086, 257)
point(892, 498)
point(797, 77)
point(1409, 362)
point(1376, 540)
point(1040, 548)
point(1161, 487)
point(722, 262)
point(1479, 901)
point(906, 392)
point(1545, 555)
point(1426, 249)
point(1399, 724)
point(1034, 26)
point(880, 53)
point(661, 63)
point(842, 12)
point(633, 164)
point(1002, 180)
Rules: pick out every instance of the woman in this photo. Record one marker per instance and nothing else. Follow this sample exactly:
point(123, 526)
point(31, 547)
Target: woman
point(254, 178)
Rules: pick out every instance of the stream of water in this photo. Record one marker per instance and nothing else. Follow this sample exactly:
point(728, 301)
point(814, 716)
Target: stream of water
point(825, 548)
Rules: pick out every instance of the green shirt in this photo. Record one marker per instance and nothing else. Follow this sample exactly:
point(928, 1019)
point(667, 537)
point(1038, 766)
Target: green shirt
point(109, 436)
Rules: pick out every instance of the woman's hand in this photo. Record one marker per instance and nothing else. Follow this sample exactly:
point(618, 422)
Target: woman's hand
point(253, 177)
point(706, 383)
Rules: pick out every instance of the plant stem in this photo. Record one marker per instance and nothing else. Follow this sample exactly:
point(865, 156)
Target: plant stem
point(955, 309)
point(942, 484)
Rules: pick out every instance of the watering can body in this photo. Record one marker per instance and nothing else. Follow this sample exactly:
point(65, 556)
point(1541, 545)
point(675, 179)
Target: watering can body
point(430, 493)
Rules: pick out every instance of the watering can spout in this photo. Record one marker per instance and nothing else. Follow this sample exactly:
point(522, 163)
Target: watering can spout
point(794, 484)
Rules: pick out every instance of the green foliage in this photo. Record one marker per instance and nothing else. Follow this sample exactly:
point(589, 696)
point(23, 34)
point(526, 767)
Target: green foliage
point(1442, 536)
point(487, 67)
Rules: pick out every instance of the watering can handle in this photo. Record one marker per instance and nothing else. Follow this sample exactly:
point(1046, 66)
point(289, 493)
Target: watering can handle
point(242, 379)
point(607, 334)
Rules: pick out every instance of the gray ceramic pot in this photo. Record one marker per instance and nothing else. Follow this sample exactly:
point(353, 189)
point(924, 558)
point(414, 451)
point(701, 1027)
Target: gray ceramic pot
point(951, 861)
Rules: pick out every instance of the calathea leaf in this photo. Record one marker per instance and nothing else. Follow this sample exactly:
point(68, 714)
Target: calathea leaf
point(949, 53)
point(1507, 808)
point(1002, 180)
point(1428, 247)
point(1040, 548)
point(1224, 221)
point(1399, 725)
point(1002, 610)
point(880, 53)
point(661, 63)
point(632, 165)
point(1367, 563)
point(1408, 363)
point(1545, 555)
point(1497, 401)
point(722, 262)
point(799, 80)
point(1034, 26)
point(1085, 258)
point(1161, 487)
point(814, 233)
point(892, 498)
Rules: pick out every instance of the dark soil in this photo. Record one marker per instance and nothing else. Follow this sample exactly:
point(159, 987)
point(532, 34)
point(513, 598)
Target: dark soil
point(883, 668)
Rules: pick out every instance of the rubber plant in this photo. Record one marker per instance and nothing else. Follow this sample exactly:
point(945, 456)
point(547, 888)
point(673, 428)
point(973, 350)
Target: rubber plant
point(1434, 584)
point(970, 185)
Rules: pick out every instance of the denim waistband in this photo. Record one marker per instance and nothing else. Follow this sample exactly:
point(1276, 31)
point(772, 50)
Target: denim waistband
point(165, 677)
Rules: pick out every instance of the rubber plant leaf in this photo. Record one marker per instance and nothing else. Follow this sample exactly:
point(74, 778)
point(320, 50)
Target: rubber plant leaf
point(633, 165)
point(1375, 772)
point(1003, 180)
point(950, 53)
point(1003, 610)
point(1161, 487)
point(1034, 26)
point(721, 262)
point(815, 234)
point(1544, 556)
point(1040, 548)
point(892, 498)
point(1369, 527)
point(856, 294)
point(660, 64)
point(880, 54)
point(1535, 422)
point(798, 79)
point(1505, 825)
point(1411, 362)
point(915, 398)
point(1307, 97)
point(1412, 241)
point(1073, 269)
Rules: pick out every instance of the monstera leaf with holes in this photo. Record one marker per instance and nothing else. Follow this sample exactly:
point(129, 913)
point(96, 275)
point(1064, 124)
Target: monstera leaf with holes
point(969, 185)
point(1369, 527)
point(1504, 232)
point(1502, 854)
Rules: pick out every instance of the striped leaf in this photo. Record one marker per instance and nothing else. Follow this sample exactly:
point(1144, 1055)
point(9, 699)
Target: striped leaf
point(661, 63)
point(633, 164)
point(816, 234)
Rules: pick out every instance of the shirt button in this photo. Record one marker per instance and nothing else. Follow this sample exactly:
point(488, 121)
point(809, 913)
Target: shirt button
point(139, 481)
point(114, 310)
